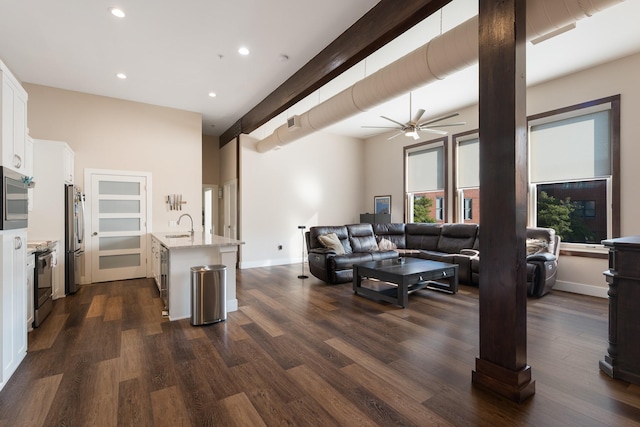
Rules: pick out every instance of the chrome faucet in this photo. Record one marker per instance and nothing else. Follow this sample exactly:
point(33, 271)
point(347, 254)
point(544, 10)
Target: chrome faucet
point(186, 214)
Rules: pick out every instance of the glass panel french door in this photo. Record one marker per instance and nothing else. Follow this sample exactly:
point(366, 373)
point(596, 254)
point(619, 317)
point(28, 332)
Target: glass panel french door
point(118, 207)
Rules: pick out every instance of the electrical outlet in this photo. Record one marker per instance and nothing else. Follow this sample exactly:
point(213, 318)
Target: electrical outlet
point(279, 247)
point(173, 223)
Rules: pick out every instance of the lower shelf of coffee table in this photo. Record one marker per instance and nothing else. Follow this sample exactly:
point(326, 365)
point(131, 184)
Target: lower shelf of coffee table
point(388, 292)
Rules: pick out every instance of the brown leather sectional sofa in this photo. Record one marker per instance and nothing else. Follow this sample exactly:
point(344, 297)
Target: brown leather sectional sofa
point(452, 243)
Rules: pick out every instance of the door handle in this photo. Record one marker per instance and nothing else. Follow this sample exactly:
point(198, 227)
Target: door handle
point(95, 233)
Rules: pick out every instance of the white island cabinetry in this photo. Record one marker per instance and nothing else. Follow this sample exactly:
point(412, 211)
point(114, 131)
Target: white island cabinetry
point(187, 252)
point(13, 301)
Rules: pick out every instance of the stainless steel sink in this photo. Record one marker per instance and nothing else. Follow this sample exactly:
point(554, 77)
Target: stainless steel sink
point(177, 236)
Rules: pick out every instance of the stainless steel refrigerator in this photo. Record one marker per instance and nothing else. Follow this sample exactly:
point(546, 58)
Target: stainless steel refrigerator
point(74, 237)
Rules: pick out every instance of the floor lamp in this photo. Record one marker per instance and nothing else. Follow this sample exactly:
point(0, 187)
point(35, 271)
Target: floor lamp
point(302, 275)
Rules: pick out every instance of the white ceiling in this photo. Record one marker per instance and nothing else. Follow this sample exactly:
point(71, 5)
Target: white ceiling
point(607, 35)
point(175, 53)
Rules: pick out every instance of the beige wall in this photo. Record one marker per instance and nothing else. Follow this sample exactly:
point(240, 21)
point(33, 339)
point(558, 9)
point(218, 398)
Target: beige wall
point(229, 162)
point(315, 181)
point(210, 159)
point(108, 133)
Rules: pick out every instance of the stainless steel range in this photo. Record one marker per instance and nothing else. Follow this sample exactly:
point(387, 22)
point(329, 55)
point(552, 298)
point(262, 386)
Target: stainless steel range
point(43, 280)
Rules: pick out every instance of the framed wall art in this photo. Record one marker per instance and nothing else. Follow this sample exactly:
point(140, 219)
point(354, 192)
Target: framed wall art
point(382, 204)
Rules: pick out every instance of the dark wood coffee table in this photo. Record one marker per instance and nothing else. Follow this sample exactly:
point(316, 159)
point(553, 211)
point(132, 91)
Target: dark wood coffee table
point(409, 276)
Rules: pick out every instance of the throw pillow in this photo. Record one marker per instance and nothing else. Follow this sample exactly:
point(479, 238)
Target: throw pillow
point(332, 241)
point(535, 246)
point(386, 245)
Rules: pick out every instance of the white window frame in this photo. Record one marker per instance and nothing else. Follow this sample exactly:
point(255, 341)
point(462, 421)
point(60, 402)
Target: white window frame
point(532, 196)
point(464, 208)
point(440, 210)
point(459, 190)
point(427, 145)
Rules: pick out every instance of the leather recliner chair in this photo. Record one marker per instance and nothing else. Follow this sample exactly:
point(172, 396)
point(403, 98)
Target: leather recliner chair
point(542, 267)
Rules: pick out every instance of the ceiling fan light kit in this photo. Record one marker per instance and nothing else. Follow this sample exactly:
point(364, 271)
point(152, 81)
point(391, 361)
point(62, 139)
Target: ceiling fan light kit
point(412, 133)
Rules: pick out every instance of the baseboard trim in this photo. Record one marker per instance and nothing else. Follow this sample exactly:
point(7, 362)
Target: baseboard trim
point(232, 305)
point(576, 288)
point(269, 263)
point(581, 288)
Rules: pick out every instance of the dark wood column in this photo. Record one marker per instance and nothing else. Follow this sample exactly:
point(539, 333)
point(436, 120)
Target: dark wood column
point(502, 366)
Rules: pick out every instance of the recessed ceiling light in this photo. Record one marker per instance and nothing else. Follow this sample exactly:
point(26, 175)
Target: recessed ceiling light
point(243, 51)
point(121, 76)
point(212, 94)
point(116, 12)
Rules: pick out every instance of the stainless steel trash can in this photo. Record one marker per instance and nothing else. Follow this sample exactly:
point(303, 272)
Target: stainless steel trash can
point(208, 294)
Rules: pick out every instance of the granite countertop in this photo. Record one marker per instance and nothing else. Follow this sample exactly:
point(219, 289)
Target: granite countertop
point(198, 240)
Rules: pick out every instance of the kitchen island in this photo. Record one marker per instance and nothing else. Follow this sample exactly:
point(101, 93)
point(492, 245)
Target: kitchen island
point(186, 251)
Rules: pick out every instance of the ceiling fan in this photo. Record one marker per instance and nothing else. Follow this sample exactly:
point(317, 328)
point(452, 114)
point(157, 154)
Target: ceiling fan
point(413, 126)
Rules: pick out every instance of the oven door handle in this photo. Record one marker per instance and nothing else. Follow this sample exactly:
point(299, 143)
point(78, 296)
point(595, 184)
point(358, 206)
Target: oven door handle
point(44, 262)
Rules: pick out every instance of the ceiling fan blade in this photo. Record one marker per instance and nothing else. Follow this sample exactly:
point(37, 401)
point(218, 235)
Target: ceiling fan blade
point(444, 125)
point(417, 117)
point(436, 131)
point(397, 134)
point(380, 127)
point(428, 122)
point(391, 120)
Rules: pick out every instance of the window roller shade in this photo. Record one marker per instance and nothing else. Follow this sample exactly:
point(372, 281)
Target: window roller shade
point(469, 163)
point(426, 170)
point(571, 149)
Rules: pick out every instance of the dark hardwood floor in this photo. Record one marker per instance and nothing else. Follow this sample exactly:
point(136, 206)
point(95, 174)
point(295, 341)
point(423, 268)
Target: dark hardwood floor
point(302, 353)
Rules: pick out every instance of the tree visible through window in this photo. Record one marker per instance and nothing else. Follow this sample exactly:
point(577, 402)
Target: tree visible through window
point(422, 209)
point(576, 221)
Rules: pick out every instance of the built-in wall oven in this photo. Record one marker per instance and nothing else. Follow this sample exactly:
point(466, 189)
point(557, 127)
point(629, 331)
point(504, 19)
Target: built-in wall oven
point(13, 200)
point(43, 281)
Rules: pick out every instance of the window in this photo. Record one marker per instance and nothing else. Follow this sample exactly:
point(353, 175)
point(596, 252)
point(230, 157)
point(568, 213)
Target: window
point(468, 209)
point(440, 208)
point(585, 208)
point(574, 172)
point(425, 181)
point(467, 176)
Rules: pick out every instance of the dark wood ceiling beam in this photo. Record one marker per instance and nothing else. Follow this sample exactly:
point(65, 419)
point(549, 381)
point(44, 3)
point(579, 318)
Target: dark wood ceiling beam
point(383, 23)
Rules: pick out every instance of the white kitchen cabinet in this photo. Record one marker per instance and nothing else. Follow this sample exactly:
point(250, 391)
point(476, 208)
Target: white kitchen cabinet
point(31, 265)
point(13, 122)
point(28, 153)
point(13, 301)
point(46, 220)
point(69, 164)
point(28, 156)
